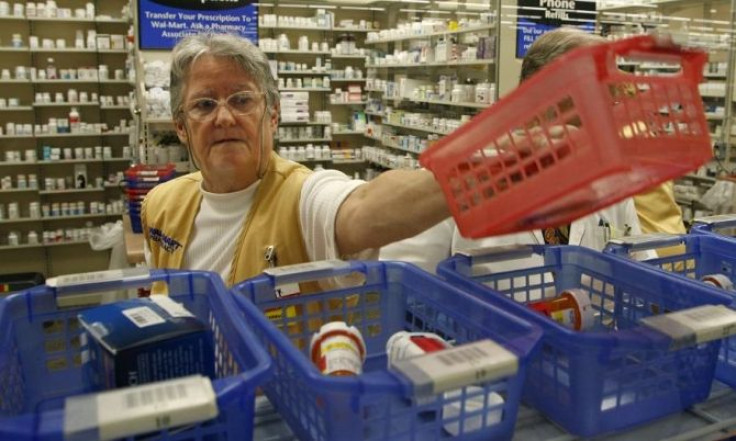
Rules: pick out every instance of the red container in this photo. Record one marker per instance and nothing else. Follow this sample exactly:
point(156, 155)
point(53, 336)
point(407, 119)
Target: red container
point(145, 171)
point(578, 136)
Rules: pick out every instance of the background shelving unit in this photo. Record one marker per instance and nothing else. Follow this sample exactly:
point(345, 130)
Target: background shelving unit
point(71, 255)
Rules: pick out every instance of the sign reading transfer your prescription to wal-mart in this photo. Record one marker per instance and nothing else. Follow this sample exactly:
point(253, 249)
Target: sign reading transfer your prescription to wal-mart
point(164, 22)
point(539, 16)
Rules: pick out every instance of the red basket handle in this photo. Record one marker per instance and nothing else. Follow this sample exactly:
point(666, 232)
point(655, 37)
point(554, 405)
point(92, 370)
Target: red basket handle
point(656, 48)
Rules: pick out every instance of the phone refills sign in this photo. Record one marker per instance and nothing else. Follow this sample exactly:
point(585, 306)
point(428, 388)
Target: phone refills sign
point(536, 17)
point(164, 22)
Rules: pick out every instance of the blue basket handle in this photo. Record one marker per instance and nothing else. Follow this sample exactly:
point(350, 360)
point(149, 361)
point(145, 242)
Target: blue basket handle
point(626, 245)
point(710, 223)
point(688, 327)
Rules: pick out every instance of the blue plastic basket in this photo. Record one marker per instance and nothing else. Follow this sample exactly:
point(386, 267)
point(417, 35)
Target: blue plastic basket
point(620, 373)
point(40, 359)
point(722, 225)
point(379, 404)
point(703, 254)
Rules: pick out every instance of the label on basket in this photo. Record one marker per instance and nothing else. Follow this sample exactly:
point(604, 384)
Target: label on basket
point(139, 409)
point(173, 308)
point(695, 325)
point(456, 367)
point(305, 267)
point(120, 275)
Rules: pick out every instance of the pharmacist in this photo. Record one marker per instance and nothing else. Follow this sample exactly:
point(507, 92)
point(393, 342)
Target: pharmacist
point(593, 231)
point(248, 209)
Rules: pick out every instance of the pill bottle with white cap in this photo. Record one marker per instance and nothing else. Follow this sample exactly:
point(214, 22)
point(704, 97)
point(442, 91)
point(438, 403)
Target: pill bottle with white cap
point(338, 349)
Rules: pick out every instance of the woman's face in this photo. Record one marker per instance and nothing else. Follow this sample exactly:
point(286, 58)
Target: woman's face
point(228, 147)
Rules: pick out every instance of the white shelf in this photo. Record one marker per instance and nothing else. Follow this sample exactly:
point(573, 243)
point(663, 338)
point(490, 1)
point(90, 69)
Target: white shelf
point(112, 20)
point(348, 132)
point(66, 104)
point(68, 50)
point(302, 72)
point(442, 64)
point(303, 140)
point(714, 116)
point(116, 107)
point(443, 103)
point(304, 123)
point(76, 135)
point(12, 18)
point(296, 52)
point(18, 190)
point(16, 163)
point(347, 80)
point(81, 161)
point(433, 34)
point(316, 28)
point(43, 245)
point(79, 216)
point(16, 109)
point(348, 57)
point(112, 51)
point(420, 129)
point(71, 190)
point(13, 49)
point(398, 147)
point(305, 89)
point(62, 20)
point(114, 82)
point(162, 121)
point(15, 136)
point(15, 81)
point(66, 81)
point(353, 103)
point(21, 220)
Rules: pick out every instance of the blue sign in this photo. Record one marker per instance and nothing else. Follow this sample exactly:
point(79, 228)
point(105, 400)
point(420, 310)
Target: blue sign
point(162, 23)
point(539, 16)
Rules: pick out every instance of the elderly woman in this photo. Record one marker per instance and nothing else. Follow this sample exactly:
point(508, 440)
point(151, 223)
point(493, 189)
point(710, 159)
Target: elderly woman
point(247, 208)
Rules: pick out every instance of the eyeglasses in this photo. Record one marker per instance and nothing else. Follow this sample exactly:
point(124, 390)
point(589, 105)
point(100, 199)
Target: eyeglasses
point(239, 103)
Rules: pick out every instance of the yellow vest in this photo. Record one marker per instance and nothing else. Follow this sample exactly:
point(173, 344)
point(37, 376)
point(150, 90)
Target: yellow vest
point(658, 212)
point(169, 210)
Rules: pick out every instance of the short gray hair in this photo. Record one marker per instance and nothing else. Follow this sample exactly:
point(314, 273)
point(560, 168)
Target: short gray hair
point(551, 45)
point(247, 55)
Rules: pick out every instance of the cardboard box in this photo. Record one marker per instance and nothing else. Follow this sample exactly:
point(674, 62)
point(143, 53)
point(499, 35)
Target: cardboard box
point(142, 341)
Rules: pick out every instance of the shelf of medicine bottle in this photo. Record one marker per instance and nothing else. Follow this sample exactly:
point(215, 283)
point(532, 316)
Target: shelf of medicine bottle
point(398, 147)
point(417, 128)
point(481, 28)
point(15, 136)
point(436, 64)
point(76, 81)
point(112, 20)
point(62, 19)
point(89, 104)
point(347, 80)
point(71, 190)
point(16, 109)
point(352, 103)
point(164, 121)
point(315, 28)
point(15, 81)
point(116, 107)
point(17, 163)
point(114, 82)
point(17, 190)
point(349, 57)
point(304, 89)
point(375, 138)
point(43, 245)
point(304, 123)
point(68, 50)
point(367, 112)
point(13, 49)
point(79, 216)
point(347, 161)
point(715, 76)
point(77, 161)
point(80, 135)
point(381, 164)
point(12, 18)
point(714, 116)
point(297, 52)
point(348, 132)
point(303, 72)
point(303, 140)
point(443, 102)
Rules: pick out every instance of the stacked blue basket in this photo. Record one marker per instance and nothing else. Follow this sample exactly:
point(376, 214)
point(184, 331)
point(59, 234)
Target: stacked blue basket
point(40, 359)
point(379, 404)
point(139, 180)
point(702, 255)
point(617, 375)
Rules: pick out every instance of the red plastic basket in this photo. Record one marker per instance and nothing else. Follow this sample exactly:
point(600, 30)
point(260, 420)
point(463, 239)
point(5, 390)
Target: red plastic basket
point(580, 135)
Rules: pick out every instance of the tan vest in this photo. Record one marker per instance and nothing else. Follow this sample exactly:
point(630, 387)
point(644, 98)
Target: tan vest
point(169, 211)
point(658, 212)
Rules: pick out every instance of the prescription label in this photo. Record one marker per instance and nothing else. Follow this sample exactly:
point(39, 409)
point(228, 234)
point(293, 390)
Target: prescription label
point(460, 366)
point(695, 325)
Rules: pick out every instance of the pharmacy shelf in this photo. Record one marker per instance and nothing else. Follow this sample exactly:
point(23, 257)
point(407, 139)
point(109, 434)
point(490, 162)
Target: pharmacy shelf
point(296, 52)
point(432, 34)
point(348, 132)
point(112, 20)
point(16, 109)
point(164, 121)
point(303, 140)
point(417, 128)
point(349, 57)
point(79, 216)
point(302, 72)
point(367, 112)
point(304, 89)
point(443, 102)
point(78, 161)
point(17, 163)
point(71, 190)
point(21, 220)
point(315, 28)
point(714, 116)
point(348, 161)
point(116, 107)
point(18, 190)
point(15, 136)
point(114, 82)
point(398, 147)
point(347, 80)
point(43, 245)
point(78, 135)
point(62, 19)
point(9, 81)
point(651, 5)
point(438, 64)
point(112, 51)
point(353, 103)
point(66, 104)
point(68, 50)
point(13, 49)
point(12, 18)
point(304, 123)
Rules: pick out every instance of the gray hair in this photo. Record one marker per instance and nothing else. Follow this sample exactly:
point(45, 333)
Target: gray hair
point(551, 45)
point(247, 55)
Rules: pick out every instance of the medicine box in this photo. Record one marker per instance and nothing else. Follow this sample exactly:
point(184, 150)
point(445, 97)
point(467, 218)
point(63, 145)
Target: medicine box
point(141, 341)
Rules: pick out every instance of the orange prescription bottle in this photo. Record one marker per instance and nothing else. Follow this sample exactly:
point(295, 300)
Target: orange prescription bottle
point(338, 349)
point(571, 309)
point(718, 280)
